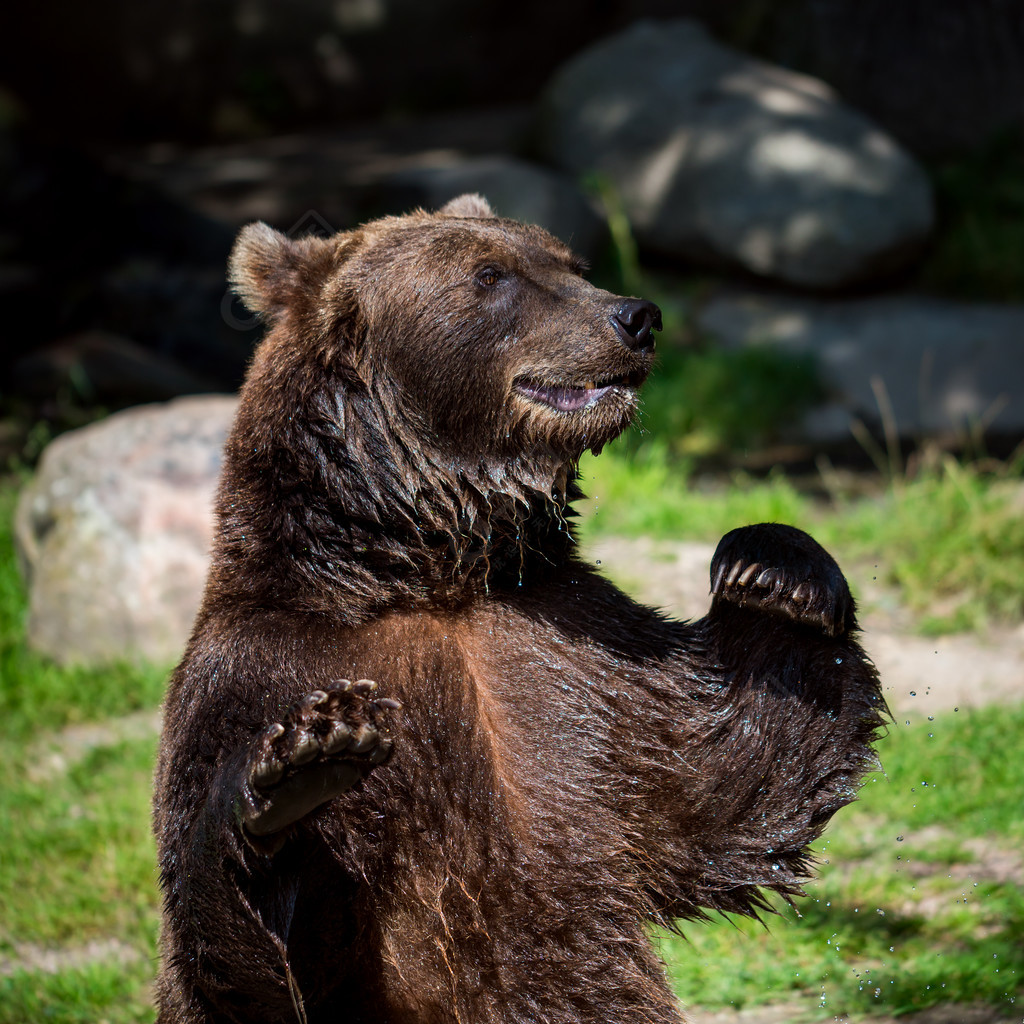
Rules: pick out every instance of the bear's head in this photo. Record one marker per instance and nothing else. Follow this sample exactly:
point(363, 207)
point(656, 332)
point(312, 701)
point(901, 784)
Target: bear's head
point(431, 372)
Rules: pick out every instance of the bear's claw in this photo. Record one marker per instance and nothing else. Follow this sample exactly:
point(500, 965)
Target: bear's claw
point(781, 570)
point(327, 742)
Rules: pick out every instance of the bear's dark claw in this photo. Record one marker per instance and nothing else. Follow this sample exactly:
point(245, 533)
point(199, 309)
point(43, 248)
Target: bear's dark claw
point(381, 752)
point(337, 739)
point(306, 748)
point(748, 574)
point(781, 570)
point(266, 773)
point(363, 739)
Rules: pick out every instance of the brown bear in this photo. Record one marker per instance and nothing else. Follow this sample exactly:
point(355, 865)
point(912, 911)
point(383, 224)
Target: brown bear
point(421, 763)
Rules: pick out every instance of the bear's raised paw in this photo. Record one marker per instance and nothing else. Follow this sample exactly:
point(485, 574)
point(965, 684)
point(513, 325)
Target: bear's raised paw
point(783, 571)
point(328, 741)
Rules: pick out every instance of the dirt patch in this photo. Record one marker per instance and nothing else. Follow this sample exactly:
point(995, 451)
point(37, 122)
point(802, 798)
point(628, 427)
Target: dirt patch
point(793, 1013)
point(52, 757)
point(29, 957)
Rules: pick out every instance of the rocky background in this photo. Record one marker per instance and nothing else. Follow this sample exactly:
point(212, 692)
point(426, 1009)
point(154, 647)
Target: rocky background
point(794, 170)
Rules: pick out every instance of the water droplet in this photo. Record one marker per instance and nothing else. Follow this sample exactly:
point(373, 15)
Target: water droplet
point(839, 661)
point(913, 693)
point(899, 839)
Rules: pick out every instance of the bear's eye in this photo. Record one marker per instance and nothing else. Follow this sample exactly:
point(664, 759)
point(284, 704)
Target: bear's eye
point(488, 277)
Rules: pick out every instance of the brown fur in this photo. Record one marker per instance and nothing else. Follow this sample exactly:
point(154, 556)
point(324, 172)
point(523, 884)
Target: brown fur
point(567, 766)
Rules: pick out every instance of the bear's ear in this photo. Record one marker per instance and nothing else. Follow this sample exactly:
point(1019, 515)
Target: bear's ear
point(472, 204)
point(267, 269)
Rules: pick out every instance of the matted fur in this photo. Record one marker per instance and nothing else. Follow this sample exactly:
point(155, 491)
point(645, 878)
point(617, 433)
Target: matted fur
point(567, 765)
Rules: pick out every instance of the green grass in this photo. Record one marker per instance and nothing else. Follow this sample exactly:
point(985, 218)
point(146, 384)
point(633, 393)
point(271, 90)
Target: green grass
point(78, 858)
point(905, 914)
point(77, 863)
point(648, 492)
point(908, 911)
point(950, 540)
point(98, 993)
point(706, 402)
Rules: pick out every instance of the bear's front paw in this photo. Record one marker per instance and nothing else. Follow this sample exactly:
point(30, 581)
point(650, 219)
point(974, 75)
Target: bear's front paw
point(781, 570)
point(325, 744)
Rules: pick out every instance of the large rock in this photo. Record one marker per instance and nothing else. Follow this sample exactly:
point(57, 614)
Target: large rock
point(930, 367)
point(113, 532)
point(722, 159)
point(514, 188)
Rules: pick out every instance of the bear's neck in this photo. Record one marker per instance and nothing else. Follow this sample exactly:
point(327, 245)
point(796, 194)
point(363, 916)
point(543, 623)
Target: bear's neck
point(353, 528)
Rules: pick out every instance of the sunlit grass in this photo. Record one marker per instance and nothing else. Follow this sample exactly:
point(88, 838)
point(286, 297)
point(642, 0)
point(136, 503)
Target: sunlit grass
point(97, 993)
point(78, 854)
point(950, 539)
point(908, 911)
point(77, 863)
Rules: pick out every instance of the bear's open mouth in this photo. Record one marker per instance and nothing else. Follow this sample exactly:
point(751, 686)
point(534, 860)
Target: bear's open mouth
point(573, 397)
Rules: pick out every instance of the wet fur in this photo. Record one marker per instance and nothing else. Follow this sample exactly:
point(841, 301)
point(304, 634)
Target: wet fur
point(567, 765)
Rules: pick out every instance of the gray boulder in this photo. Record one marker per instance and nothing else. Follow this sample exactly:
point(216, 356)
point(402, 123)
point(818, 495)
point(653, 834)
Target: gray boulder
point(725, 160)
point(932, 368)
point(113, 532)
point(514, 188)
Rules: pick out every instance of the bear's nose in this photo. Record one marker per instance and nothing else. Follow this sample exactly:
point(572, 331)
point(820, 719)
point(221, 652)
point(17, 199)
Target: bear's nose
point(635, 321)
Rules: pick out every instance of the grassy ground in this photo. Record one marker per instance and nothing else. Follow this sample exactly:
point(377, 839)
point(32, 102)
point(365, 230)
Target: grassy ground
point(950, 539)
point(920, 899)
point(920, 896)
point(76, 856)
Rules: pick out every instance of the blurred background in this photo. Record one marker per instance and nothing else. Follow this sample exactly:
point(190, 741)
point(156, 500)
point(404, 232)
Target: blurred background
point(826, 198)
